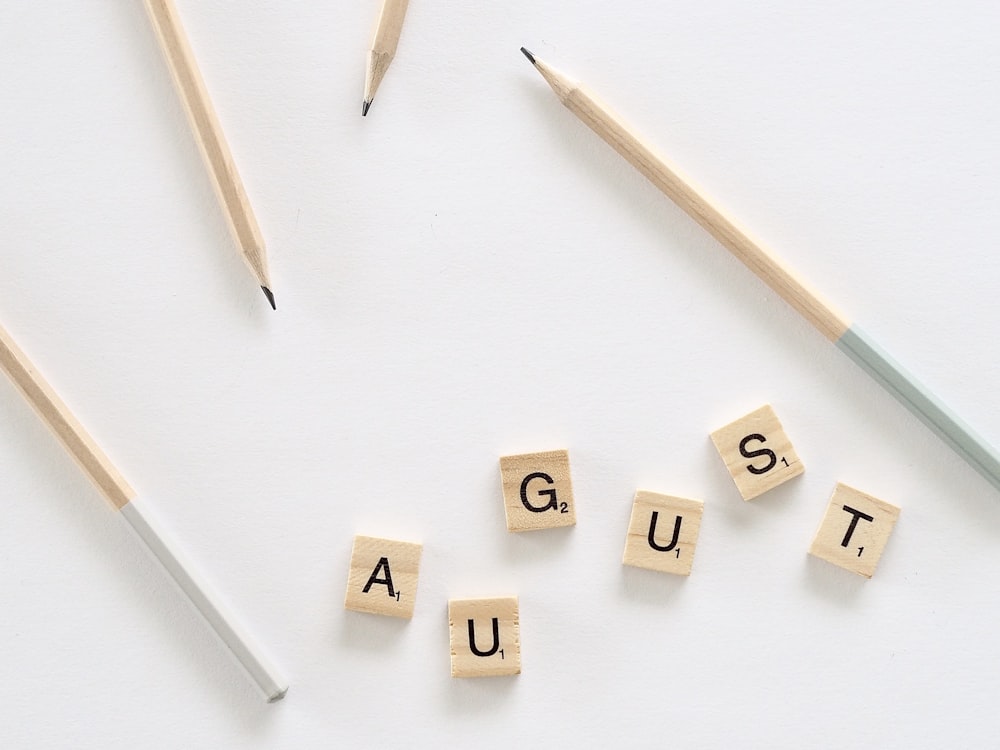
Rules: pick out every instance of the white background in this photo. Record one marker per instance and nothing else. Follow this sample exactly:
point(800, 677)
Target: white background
point(470, 272)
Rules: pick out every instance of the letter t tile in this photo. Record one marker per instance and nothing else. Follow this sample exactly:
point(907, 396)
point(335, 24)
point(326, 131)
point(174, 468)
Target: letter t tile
point(854, 531)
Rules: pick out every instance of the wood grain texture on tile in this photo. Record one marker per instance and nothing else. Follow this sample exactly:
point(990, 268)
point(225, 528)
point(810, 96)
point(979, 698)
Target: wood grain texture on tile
point(537, 491)
point(663, 533)
point(485, 637)
point(854, 531)
point(757, 452)
point(383, 576)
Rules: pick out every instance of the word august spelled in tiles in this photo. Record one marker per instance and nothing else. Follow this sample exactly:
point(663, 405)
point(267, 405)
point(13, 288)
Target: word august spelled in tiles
point(662, 536)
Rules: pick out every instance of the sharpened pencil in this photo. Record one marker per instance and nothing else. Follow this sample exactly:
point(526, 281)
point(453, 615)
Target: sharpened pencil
point(383, 49)
point(848, 337)
point(211, 142)
point(123, 498)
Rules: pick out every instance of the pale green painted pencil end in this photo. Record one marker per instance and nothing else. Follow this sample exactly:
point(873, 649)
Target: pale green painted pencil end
point(979, 454)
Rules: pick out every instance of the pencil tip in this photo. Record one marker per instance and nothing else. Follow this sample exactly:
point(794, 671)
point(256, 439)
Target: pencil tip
point(364, 106)
point(531, 57)
point(270, 297)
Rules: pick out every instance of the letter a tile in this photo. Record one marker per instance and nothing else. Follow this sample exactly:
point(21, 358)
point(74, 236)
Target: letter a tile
point(854, 531)
point(485, 637)
point(757, 452)
point(662, 533)
point(383, 577)
point(537, 493)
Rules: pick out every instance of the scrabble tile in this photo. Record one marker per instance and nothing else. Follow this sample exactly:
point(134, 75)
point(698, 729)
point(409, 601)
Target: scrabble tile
point(485, 637)
point(757, 452)
point(854, 531)
point(662, 533)
point(383, 576)
point(537, 493)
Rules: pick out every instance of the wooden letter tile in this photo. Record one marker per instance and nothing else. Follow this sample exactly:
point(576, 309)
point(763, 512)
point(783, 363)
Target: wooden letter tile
point(757, 452)
point(854, 531)
point(537, 493)
point(383, 577)
point(485, 637)
point(662, 533)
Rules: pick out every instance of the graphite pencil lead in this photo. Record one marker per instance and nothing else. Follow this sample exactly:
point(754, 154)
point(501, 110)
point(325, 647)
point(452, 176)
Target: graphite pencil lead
point(270, 297)
point(383, 47)
point(531, 57)
point(208, 133)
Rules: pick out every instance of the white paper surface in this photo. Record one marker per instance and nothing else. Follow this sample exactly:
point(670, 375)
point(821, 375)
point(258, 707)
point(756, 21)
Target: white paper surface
point(469, 272)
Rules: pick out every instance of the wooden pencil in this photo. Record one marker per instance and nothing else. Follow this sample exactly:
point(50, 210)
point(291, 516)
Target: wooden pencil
point(846, 335)
point(211, 141)
point(123, 498)
point(383, 49)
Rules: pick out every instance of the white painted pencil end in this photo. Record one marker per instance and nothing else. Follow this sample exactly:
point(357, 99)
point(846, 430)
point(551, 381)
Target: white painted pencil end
point(247, 652)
